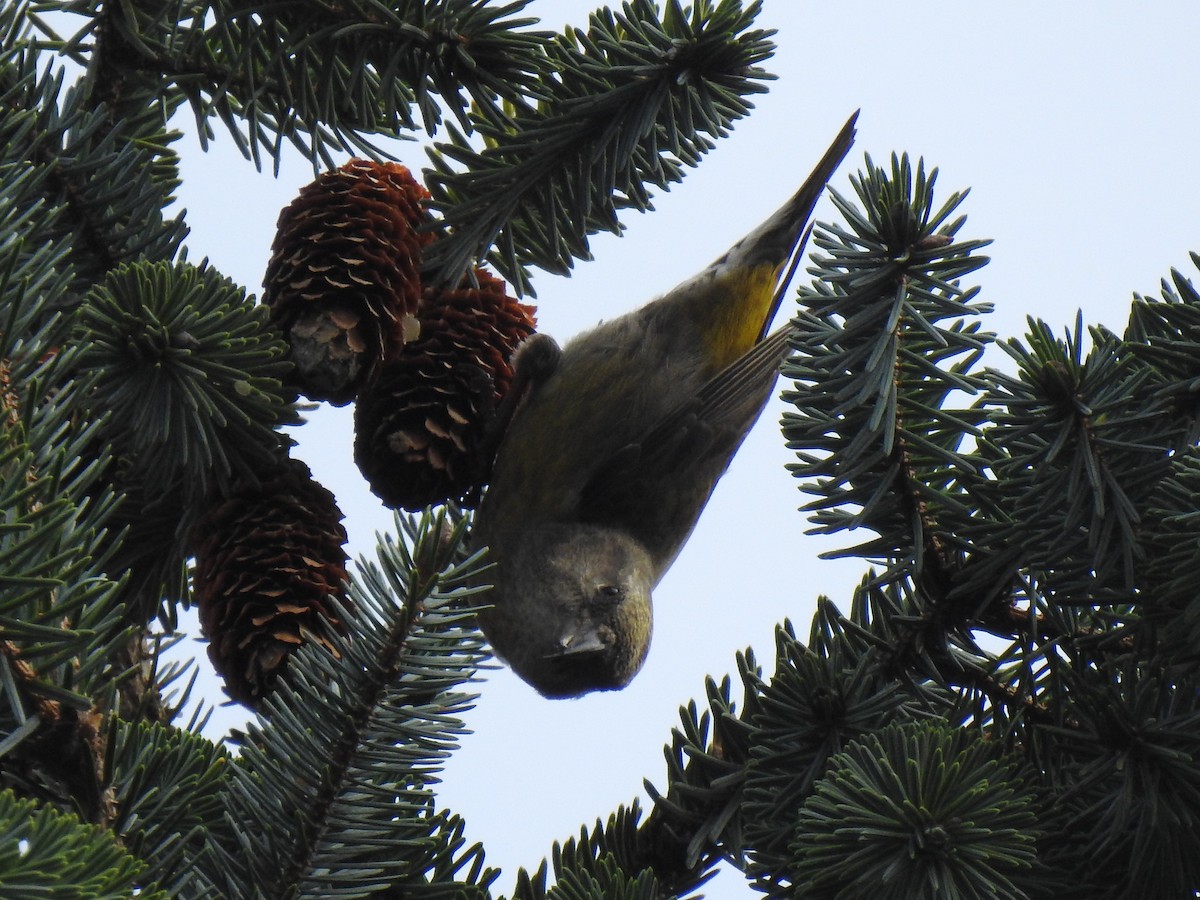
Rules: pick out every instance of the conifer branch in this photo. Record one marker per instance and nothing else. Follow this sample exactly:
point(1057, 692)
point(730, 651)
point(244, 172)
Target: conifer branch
point(635, 99)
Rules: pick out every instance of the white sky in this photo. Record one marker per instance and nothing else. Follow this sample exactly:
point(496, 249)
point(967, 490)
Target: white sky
point(1069, 123)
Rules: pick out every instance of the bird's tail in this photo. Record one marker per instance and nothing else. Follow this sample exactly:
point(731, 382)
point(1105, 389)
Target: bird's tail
point(779, 241)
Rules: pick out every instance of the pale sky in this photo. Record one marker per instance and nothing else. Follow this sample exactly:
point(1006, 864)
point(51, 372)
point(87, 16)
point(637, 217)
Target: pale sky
point(1069, 122)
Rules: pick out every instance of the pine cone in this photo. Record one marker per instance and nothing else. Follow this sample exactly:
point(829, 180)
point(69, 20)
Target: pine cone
point(419, 427)
point(10, 403)
point(268, 560)
point(344, 279)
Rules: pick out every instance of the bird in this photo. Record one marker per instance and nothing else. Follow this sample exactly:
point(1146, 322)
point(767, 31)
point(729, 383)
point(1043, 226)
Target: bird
point(611, 447)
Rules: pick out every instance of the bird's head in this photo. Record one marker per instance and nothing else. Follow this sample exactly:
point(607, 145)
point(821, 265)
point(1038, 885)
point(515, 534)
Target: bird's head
point(572, 608)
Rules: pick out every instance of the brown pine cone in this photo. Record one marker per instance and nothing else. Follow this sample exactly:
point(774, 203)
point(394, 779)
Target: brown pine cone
point(344, 279)
point(420, 425)
point(269, 558)
point(10, 403)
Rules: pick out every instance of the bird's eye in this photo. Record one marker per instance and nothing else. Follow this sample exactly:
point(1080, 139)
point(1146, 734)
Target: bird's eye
point(610, 593)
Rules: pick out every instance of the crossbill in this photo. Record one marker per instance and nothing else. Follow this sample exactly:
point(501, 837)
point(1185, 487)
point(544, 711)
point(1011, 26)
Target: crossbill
point(614, 448)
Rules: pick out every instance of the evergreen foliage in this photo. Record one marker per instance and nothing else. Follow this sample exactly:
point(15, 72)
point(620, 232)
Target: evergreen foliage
point(1049, 508)
point(46, 853)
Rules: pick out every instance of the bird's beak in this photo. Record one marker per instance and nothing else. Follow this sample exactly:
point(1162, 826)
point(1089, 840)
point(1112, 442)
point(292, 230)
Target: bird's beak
point(579, 642)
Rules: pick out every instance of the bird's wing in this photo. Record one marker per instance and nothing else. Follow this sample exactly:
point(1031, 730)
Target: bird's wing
point(689, 448)
point(533, 363)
